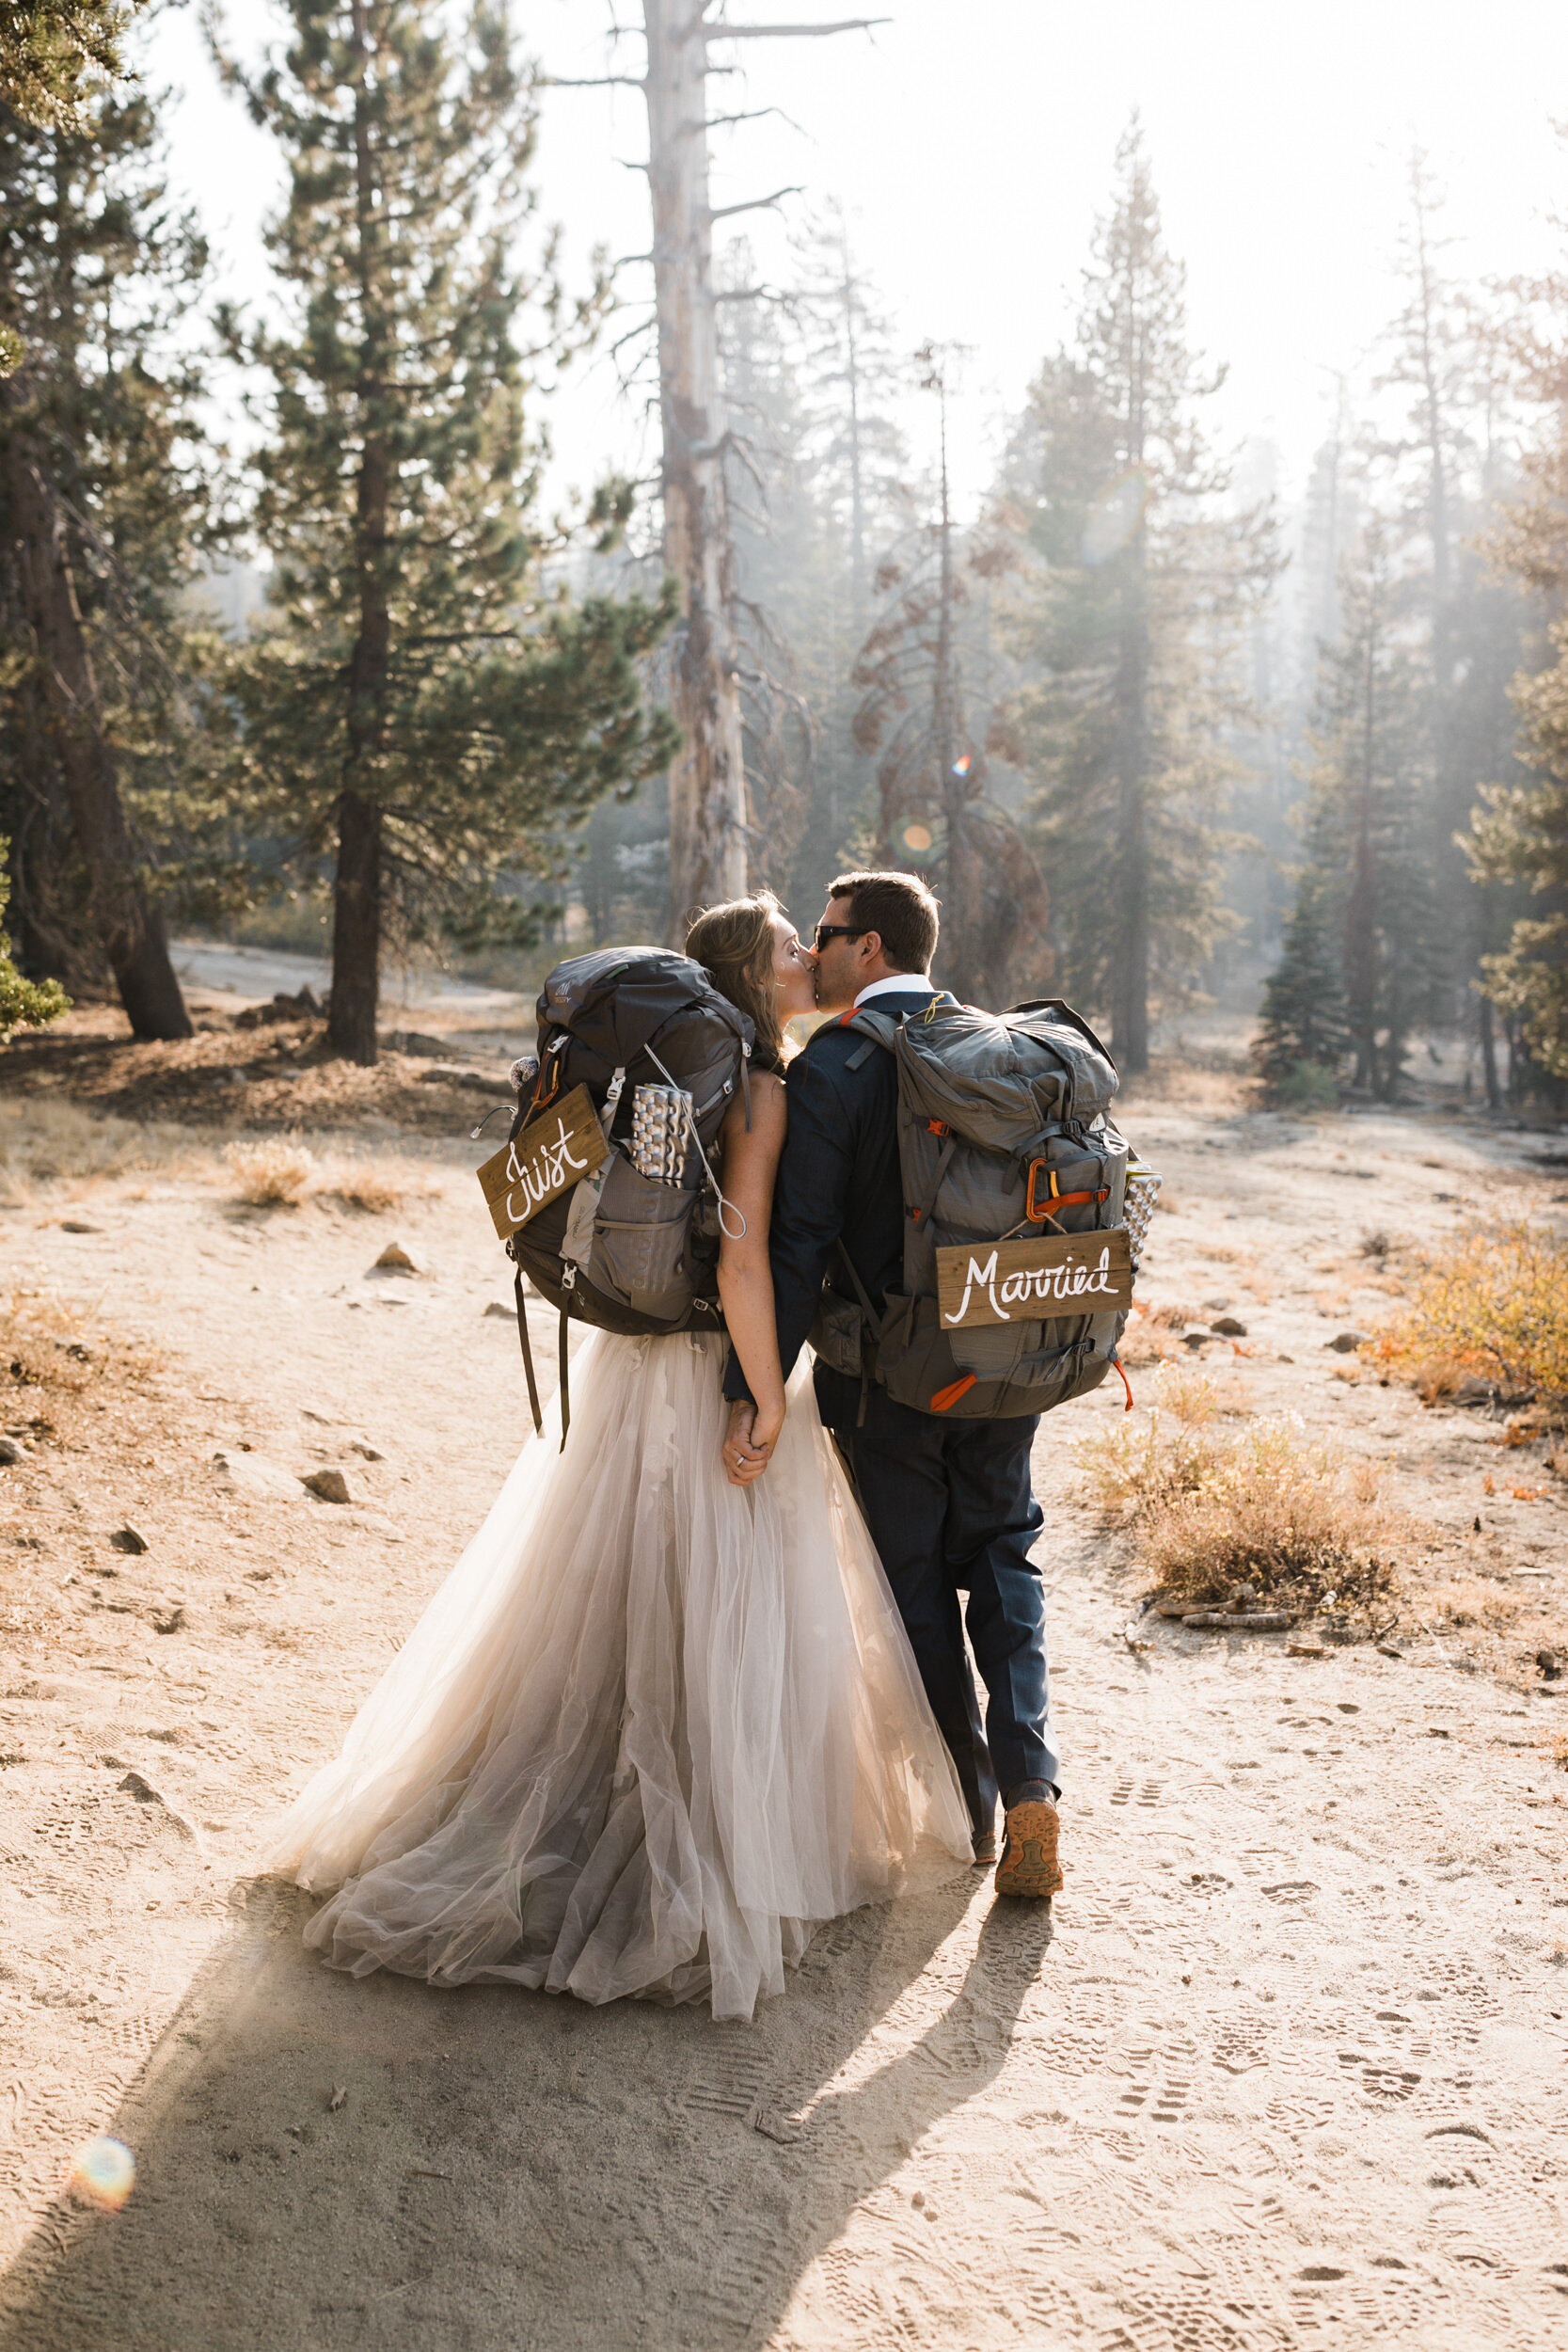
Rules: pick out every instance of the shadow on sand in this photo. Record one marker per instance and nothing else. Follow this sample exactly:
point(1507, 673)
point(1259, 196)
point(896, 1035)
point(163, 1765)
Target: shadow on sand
point(506, 2172)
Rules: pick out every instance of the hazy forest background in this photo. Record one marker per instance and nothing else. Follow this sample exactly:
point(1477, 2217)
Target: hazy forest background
point(305, 641)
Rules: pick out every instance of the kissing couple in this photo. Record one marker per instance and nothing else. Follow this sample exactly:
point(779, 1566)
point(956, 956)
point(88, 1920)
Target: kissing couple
point(699, 1683)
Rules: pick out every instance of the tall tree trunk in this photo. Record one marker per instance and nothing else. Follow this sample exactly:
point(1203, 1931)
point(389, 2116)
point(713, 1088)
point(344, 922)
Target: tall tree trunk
point(1488, 1053)
point(125, 918)
point(1130, 981)
point(357, 889)
point(707, 787)
point(1361, 907)
point(963, 950)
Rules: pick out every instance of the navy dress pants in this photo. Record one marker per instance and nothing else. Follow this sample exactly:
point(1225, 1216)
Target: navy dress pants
point(951, 1510)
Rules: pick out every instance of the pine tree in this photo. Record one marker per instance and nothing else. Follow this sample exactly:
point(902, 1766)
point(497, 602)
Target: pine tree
point(103, 508)
point(1128, 627)
point(423, 707)
point(1517, 841)
point(54, 55)
point(927, 709)
point(1368, 881)
point(24, 1004)
point(1303, 1035)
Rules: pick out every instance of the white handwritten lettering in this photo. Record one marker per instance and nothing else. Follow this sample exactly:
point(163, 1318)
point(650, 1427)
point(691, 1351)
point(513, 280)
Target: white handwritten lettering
point(542, 1175)
point(1048, 1285)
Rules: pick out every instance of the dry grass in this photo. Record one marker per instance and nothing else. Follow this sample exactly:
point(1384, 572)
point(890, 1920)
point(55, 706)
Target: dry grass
point(1214, 1510)
point(1560, 1752)
point(275, 1172)
point(56, 1143)
point(281, 1171)
point(1497, 1308)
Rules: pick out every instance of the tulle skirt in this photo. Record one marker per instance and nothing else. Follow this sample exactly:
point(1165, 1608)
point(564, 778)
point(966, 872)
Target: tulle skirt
point(651, 1730)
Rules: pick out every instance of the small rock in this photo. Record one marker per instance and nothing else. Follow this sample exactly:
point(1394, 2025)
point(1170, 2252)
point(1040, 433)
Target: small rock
point(1551, 1662)
point(129, 1539)
point(507, 1314)
point(366, 1450)
point(1390, 1649)
point(1134, 1640)
point(1228, 1328)
point(76, 1225)
point(1346, 1342)
point(1305, 1645)
point(330, 1485)
point(11, 1451)
point(254, 1474)
point(1195, 1338)
point(338, 2095)
point(1285, 1359)
point(167, 1616)
point(394, 1258)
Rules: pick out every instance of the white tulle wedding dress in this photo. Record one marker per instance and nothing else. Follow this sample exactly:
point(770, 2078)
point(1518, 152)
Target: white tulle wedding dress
point(652, 1729)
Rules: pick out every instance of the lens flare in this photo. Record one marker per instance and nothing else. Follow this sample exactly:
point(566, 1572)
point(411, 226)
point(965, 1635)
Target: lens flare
point(104, 2172)
point(962, 765)
point(1116, 515)
point(918, 840)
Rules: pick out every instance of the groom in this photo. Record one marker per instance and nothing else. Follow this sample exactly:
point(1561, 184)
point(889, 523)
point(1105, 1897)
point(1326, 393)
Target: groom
point(948, 1502)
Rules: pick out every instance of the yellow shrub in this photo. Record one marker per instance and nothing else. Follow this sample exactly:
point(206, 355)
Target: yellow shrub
point(1497, 1306)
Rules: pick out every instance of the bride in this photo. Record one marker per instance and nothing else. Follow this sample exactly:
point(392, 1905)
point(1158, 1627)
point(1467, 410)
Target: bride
point(657, 1724)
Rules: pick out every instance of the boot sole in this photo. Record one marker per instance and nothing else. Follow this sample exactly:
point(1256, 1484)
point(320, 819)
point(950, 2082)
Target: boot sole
point(1029, 1867)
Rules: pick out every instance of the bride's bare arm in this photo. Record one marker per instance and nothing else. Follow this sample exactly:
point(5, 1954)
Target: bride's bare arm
point(745, 1277)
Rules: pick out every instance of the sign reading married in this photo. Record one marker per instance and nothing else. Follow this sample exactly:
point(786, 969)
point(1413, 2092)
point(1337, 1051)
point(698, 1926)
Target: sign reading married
point(1009, 1281)
point(546, 1158)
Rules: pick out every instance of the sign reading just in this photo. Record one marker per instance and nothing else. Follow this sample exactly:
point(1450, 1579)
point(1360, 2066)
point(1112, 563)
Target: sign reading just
point(1018, 1281)
point(544, 1162)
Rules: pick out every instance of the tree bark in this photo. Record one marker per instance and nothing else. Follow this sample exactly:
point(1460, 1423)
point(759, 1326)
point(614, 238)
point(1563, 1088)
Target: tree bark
point(707, 787)
point(357, 887)
point(129, 925)
point(1130, 981)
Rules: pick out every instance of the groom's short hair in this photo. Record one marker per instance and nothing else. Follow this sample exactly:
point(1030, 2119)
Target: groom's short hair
point(900, 909)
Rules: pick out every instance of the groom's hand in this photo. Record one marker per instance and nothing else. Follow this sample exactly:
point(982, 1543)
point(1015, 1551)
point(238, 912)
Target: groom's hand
point(744, 1461)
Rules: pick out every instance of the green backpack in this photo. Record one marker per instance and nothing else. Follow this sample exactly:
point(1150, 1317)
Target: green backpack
point(1001, 1135)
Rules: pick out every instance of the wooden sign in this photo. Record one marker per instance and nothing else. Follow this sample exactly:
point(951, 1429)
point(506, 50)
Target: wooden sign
point(1011, 1281)
point(546, 1161)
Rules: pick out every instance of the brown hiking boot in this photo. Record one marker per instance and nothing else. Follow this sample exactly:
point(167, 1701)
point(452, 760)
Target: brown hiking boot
point(1029, 1867)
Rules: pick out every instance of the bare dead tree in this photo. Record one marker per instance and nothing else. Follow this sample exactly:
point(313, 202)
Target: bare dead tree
point(707, 783)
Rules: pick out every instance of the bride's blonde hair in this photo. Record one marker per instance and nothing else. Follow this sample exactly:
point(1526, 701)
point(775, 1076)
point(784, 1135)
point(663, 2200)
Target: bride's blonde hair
point(734, 944)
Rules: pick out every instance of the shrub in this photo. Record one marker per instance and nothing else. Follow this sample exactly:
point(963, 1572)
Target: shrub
point(277, 1172)
point(1214, 1510)
point(1306, 1086)
point(1498, 1307)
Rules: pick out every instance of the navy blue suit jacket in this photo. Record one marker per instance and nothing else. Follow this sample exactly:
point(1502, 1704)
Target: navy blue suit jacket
point(838, 1179)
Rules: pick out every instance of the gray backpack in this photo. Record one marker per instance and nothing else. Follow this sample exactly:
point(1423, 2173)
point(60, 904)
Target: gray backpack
point(1002, 1134)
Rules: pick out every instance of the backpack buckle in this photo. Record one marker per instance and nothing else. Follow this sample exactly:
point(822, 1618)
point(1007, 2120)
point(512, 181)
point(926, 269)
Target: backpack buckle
point(1034, 1213)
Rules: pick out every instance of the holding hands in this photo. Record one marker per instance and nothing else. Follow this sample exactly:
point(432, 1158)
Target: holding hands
point(749, 1440)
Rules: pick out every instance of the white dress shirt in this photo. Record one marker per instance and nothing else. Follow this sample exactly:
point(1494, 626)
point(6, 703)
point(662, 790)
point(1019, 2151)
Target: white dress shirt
point(906, 983)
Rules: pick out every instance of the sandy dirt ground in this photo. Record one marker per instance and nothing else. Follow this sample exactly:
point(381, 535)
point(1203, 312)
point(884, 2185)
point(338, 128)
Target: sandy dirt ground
point(1288, 2068)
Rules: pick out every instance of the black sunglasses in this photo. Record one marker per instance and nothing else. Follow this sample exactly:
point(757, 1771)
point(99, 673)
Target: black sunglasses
point(836, 930)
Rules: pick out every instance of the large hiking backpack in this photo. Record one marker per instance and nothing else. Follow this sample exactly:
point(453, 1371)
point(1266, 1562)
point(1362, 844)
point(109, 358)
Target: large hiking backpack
point(1001, 1135)
point(619, 1251)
